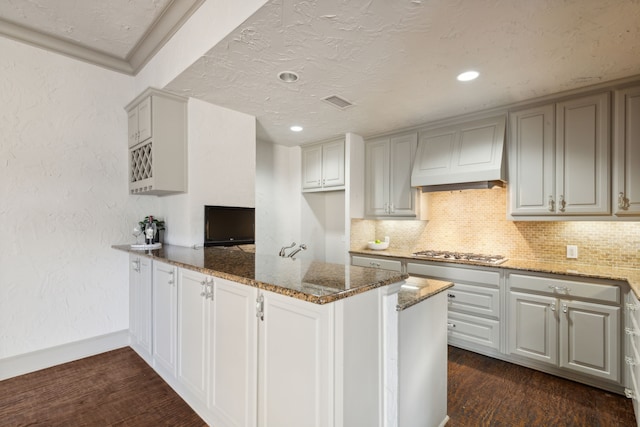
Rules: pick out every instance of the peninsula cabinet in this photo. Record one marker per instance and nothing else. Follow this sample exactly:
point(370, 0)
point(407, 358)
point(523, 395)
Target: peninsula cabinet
point(323, 166)
point(632, 352)
point(140, 277)
point(569, 324)
point(559, 159)
point(388, 164)
point(626, 149)
point(157, 143)
point(164, 297)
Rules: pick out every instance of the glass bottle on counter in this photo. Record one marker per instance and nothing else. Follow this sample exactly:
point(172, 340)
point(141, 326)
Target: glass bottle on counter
point(150, 231)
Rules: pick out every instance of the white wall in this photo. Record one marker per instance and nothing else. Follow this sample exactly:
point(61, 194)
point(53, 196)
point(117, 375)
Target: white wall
point(277, 197)
point(63, 199)
point(222, 170)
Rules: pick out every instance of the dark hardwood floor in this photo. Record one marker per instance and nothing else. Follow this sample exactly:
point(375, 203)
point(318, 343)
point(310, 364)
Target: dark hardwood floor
point(489, 392)
point(119, 389)
point(116, 388)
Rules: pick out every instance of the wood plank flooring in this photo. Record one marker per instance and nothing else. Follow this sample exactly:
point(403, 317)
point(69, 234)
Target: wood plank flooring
point(119, 389)
point(116, 388)
point(488, 392)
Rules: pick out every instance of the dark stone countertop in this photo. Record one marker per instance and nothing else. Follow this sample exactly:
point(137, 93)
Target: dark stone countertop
point(308, 280)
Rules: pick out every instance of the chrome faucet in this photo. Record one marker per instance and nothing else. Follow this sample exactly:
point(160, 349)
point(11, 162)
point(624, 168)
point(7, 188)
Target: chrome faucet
point(282, 251)
point(302, 247)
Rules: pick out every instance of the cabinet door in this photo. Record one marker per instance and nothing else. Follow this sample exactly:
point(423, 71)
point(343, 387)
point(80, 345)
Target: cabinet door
point(333, 164)
point(295, 378)
point(590, 339)
point(533, 327)
point(402, 198)
point(140, 306)
point(377, 177)
point(164, 317)
point(531, 161)
point(233, 347)
point(144, 120)
point(312, 167)
point(193, 333)
point(582, 156)
point(133, 126)
point(627, 153)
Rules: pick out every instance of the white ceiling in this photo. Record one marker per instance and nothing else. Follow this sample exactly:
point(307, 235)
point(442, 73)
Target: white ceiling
point(118, 34)
point(396, 60)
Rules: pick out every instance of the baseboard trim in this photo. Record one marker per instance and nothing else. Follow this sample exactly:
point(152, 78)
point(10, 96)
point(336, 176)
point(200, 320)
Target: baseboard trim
point(46, 358)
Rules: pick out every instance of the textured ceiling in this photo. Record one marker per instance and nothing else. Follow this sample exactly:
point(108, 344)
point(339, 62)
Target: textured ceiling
point(119, 34)
point(397, 60)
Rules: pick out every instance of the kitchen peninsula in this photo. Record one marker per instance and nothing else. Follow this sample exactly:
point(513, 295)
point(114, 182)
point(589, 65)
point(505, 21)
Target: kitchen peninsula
point(251, 339)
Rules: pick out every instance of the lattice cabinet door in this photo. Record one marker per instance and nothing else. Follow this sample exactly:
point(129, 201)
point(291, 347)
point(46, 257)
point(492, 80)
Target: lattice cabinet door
point(141, 167)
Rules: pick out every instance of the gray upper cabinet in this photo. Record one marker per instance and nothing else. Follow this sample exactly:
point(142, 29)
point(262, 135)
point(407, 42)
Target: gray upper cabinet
point(388, 163)
point(559, 158)
point(157, 143)
point(323, 167)
point(626, 149)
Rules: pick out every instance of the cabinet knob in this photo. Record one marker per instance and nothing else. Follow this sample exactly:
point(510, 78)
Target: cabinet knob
point(553, 306)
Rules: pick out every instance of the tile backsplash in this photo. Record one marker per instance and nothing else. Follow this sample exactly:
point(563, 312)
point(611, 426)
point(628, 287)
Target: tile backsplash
point(475, 221)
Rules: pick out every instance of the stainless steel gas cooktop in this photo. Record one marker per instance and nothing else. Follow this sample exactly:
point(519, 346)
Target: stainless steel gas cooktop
point(461, 256)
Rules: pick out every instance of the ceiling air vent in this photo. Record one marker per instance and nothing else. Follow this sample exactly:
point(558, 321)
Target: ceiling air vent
point(337, 102)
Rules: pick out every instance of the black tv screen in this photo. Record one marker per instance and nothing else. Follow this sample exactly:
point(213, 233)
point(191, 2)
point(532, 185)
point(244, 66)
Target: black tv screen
point(229, 225)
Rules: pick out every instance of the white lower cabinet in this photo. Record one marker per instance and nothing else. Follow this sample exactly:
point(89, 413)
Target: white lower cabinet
point(140, 277)
point(165, 325)
point(550, 323)
point(632, 353)
point(217, 348)
point(233, 354)
point(295, 363)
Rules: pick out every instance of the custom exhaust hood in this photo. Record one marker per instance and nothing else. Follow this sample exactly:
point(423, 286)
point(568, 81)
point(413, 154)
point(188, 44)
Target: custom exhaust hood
point(467, 155)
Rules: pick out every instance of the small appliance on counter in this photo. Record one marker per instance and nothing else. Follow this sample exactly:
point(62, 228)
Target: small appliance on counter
point(378, 245)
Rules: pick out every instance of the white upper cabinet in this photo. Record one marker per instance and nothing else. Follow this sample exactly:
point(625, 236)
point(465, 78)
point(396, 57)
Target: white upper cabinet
point(465, 152)
point(559, 158)
point(323, 167)
point(582, 156)
point(388, 163)
point(626, 149)
point(157, 143)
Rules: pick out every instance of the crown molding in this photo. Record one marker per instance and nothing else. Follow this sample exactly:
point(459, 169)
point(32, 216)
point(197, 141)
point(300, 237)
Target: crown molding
point(173, 17)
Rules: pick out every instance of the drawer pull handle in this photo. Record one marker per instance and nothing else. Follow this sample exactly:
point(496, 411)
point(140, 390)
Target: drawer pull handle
point(564, 289)
point(451, 295)
point(629, 394)
point(451, 325)
point(374, 264)
point(630, 331)
point(553, 306)
point(630, 361)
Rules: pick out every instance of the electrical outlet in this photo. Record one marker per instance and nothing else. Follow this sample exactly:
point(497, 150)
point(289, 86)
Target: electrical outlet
point(572, 251)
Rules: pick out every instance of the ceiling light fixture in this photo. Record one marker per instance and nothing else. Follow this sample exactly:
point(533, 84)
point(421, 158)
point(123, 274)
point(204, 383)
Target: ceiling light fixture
point(288, 76)
point(468, 76)
point(296, 128)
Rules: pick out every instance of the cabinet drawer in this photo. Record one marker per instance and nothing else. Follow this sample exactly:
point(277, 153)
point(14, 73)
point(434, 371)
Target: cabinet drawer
point(455, 274)
point(565, 288)
point(474, 299)
point(464, 328)
point(385, 264)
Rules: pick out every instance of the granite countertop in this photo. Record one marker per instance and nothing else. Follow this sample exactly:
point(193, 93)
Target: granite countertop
point(313, 281)
point(417, 289)
point(629, 275)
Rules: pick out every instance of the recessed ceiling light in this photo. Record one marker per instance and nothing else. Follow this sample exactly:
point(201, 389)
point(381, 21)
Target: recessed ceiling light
point(288, 76)
point(468, 76)
point(296, 128)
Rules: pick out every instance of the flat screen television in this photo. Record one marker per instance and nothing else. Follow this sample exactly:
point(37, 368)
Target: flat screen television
point(229, 225)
